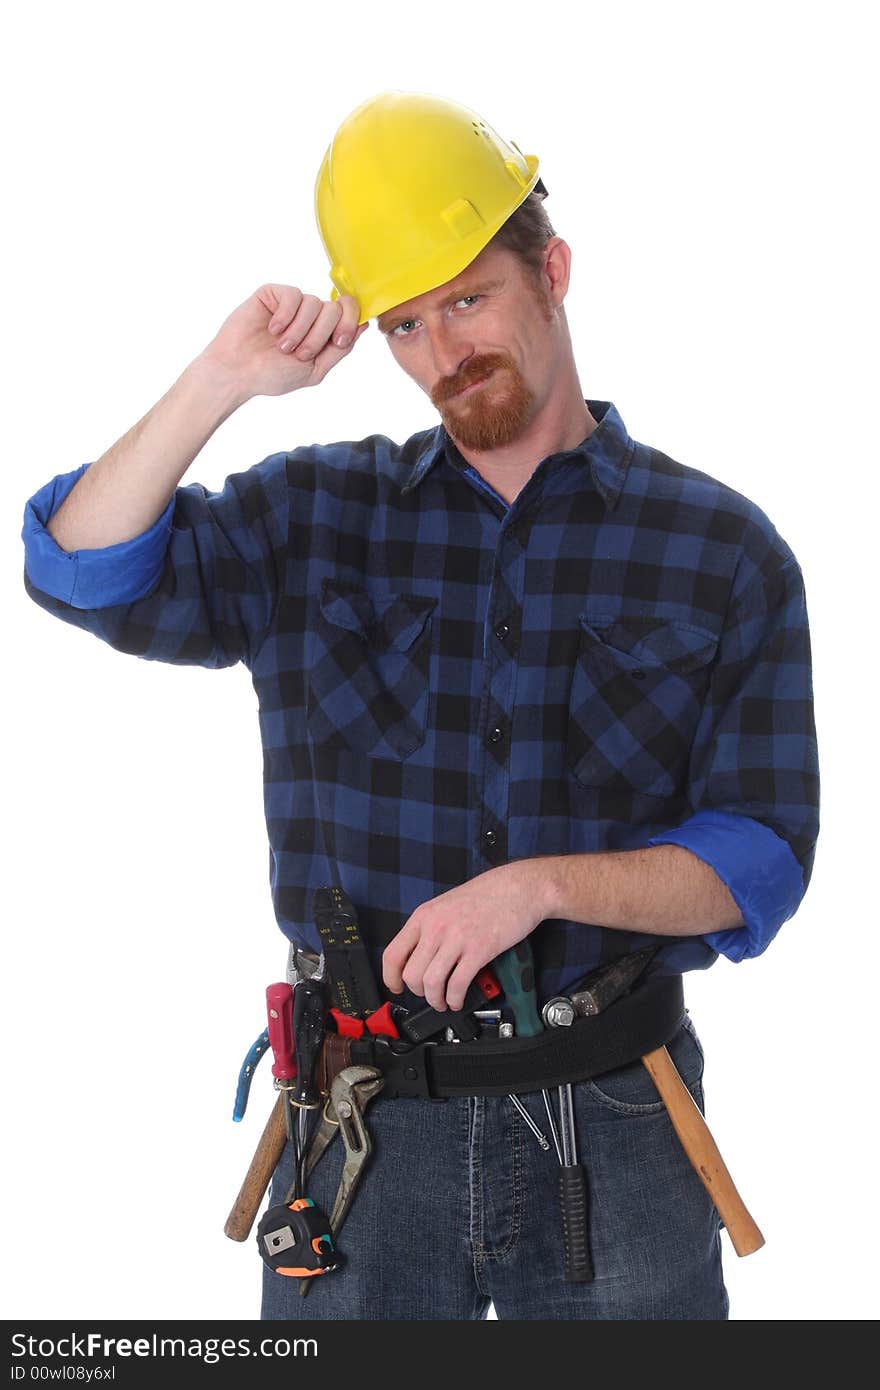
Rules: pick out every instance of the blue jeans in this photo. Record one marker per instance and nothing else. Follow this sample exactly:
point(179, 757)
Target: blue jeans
point(458, 1208)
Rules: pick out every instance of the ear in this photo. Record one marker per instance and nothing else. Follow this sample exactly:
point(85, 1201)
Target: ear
point(556, 269)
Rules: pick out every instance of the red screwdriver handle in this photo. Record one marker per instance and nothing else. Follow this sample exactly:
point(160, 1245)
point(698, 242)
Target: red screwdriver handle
point(279, 1007)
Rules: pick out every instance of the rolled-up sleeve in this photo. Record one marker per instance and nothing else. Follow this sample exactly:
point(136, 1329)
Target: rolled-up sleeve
point(90, 578)
point(199, 587)
point(753, 784)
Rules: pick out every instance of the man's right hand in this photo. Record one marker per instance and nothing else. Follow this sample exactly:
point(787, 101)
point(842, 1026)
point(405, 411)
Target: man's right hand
point(281, 339)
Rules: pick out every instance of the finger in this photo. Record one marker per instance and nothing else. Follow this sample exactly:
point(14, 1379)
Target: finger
point(420, 962)
point(289, 301)
point(303, 319)
point(331, 354)
point(395, 957)
point(459, 982)
point(348, 324)
point(436, 980)
point(320, 332)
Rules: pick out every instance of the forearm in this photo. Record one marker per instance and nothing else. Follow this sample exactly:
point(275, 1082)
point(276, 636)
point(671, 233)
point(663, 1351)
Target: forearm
point(126, 490)
point(665, 890)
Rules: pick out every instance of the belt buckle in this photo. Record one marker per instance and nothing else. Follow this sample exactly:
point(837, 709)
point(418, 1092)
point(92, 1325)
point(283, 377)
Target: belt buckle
point(404, 1067)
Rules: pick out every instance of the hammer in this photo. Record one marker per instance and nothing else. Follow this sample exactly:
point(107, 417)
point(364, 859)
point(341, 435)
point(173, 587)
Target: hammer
point(269, 1151)
point(608, 984)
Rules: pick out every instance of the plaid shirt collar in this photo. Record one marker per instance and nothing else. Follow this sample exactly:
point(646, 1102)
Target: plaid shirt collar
point(607, 452)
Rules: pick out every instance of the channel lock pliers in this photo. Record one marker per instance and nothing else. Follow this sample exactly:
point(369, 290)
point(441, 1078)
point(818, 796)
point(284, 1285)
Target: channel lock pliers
point(351, 1091)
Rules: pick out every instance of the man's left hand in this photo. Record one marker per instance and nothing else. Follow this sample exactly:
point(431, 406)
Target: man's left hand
point(440, 948)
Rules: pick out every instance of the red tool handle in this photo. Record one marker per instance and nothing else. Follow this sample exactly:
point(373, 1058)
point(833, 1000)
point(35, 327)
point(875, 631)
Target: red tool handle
point(488, 984)
point(381, 1024)
point(346, 1026)
point(279, 1006)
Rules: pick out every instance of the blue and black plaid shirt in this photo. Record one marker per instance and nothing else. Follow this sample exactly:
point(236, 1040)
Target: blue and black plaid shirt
point(620, 658)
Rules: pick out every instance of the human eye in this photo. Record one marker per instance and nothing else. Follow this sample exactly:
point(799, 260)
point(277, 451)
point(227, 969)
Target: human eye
point(396, 333)
point(465, 297)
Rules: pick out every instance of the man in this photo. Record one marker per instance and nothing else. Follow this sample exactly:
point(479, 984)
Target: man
point(521, 678)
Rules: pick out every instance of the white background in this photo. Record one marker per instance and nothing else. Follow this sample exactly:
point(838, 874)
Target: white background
point(711, 168)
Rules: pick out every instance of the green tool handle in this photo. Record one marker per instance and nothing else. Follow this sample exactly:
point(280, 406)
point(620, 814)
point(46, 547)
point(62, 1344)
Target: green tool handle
point(515, 969)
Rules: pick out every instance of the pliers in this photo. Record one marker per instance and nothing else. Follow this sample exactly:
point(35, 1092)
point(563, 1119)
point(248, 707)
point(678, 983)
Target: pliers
point(350, 1093)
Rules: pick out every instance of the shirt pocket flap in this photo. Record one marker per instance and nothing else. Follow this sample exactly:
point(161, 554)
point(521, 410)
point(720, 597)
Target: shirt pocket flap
point(387, 622)
point(637, 691)
point(650, 643)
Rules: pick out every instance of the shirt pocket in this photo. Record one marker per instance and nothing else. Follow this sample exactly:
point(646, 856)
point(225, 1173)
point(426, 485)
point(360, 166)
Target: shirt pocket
point(368, 670)
point(636, 697)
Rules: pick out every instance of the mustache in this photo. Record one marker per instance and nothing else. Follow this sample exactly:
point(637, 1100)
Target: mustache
point(474, 372)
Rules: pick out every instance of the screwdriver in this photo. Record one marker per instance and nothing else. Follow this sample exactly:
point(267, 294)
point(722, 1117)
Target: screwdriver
point(279, 1000)
point(309, 1009)
point(515, 969)
point(572, 1181)
point(573, 1197)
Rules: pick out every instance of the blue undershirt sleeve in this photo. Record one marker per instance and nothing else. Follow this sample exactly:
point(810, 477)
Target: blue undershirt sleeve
point(97, 578)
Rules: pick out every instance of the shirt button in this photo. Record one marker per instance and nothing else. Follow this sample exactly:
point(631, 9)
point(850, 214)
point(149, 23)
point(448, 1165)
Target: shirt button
point(502, 632)
point(496, 736)
point(490, 837)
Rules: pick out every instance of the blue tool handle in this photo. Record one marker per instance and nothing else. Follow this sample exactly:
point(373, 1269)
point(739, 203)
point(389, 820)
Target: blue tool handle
point(515, 969)
point(248, 1067)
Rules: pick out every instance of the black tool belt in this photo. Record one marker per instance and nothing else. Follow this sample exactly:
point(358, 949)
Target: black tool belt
point(643, 1020)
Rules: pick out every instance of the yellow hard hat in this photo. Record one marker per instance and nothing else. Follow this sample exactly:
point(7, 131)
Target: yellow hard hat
point(411, 189)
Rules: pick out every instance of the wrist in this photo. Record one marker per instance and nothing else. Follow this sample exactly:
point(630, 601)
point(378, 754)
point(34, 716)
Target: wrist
point(213, 376)
point(541, 882)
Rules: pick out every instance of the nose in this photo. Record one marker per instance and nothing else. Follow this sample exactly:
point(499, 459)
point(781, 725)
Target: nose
point(450, 349)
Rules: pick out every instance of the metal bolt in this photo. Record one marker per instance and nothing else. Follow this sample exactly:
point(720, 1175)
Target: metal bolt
point(558, 1012)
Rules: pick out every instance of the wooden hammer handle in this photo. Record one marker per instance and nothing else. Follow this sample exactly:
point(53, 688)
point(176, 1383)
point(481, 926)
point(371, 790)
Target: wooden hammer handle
point(702, 1151)
point(259, 1175)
